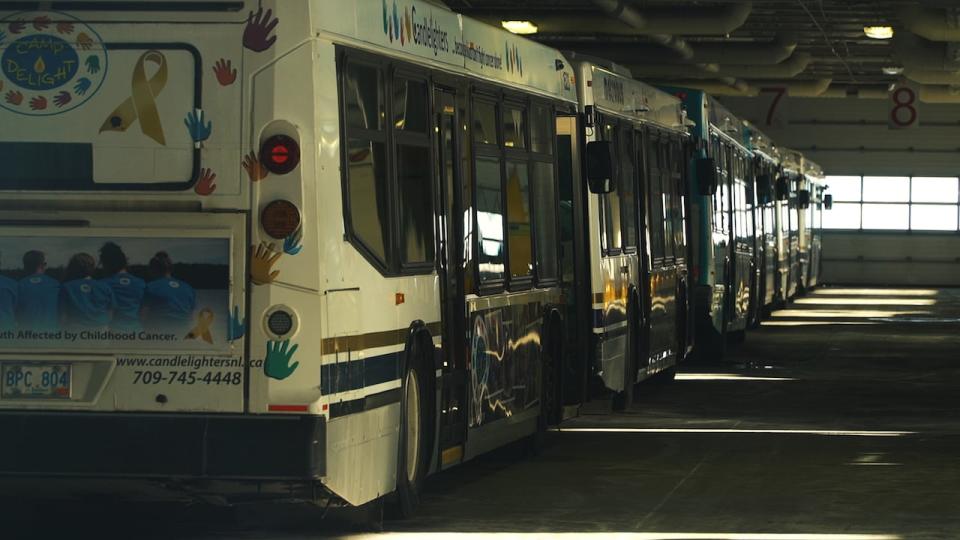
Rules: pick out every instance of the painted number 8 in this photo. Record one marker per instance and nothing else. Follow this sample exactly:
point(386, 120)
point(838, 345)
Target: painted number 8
point(904, 98)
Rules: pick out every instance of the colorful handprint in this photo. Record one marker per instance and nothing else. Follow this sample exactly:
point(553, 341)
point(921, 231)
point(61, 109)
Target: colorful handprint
point(256, 36)
point(82, 85)
point(225, 73)
point(292, 244)
point(237, 326)
point(3, 37)
point(255, 170)
point(14, 97)
point(65, 27)
point(17, 26)
point(206, 185)
point(261, 264)
point(62, 98)
point(41, 23)
point(199, 131)
point(38, 103)
point(84, 41)
point(277, 363)
point(93, 64)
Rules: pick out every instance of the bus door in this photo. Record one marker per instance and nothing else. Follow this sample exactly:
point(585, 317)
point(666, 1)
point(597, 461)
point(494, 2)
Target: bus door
point(451, 230)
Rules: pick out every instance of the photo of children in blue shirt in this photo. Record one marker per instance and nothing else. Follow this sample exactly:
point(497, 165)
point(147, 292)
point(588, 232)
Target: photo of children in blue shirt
point(86, 303)
point(128, 289)
point(169, 302)
point(39, 295)
point(8, 303)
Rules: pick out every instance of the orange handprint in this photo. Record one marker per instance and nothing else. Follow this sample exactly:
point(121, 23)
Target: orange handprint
point(255, 170)
point(84, 41)
point(226, 74)
point(261, 264)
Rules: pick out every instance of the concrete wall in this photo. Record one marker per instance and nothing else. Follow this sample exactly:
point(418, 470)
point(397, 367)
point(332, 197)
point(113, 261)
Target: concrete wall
point(850, 136)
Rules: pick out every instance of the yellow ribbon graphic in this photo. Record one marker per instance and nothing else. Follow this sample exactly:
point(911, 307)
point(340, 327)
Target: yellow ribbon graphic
point(202, 329)
point(142, 102)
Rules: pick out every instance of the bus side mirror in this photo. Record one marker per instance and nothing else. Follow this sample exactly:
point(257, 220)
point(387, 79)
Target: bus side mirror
point(600, 167)
point(764, 189)
point(783, 188)
point(803, 198)
point(706, 170)
point(828, 201)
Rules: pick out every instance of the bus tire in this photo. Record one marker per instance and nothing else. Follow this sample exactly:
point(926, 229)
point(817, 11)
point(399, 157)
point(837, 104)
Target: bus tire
point(416, 428)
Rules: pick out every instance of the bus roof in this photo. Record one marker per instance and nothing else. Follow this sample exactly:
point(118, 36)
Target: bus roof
point(760, 144)
point(431, 34)
point(706, 112)
point(629, 98)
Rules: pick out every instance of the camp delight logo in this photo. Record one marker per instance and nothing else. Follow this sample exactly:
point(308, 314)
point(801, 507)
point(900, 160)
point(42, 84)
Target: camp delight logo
point(50, 63)
point(406, 28)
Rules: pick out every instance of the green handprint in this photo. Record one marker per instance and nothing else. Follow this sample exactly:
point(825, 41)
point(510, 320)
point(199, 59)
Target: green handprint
point(277, 364)
point(93, 64)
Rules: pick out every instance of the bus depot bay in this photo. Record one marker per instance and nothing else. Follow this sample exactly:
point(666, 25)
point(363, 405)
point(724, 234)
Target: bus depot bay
point(317, 251)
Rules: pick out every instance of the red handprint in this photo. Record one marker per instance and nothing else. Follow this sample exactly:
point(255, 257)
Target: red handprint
point(256, 36)
point(65, 27)
point(206, 185)
point(14, 97)
point(62, 99)
point(226, 75)
point(17, 27)
point(38, 103)
point(41, 23)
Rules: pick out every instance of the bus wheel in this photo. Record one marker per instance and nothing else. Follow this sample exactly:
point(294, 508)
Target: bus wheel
point(414, 441)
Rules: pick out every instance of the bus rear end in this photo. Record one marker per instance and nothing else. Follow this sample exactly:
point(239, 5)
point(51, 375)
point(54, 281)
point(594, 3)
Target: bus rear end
point(124, 245)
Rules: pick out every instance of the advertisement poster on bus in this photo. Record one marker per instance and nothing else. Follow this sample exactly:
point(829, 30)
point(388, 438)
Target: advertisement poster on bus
point(121, 293)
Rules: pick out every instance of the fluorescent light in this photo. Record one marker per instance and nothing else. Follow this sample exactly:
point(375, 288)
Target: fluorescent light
point(892, 70)
point(710, 431)
point(584, 535)
point(519, 27)
point(726, 377)
point(878, 32)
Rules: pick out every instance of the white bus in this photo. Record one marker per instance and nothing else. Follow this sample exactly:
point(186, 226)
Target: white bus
point(636, 228)
point(811, 224)
point(298, 249)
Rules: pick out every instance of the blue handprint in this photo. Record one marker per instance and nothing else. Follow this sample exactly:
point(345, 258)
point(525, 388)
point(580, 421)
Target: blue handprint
point(198, 131)
point(237, 326)
point(83, 84)
point(277, 364)
point(93, 64)
point(291, 244)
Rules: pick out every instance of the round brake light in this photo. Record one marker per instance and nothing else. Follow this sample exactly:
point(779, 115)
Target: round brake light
point(280, 219)
point(280, 154)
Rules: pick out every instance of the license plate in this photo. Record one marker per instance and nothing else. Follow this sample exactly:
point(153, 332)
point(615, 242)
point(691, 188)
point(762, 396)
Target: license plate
point(28, 381)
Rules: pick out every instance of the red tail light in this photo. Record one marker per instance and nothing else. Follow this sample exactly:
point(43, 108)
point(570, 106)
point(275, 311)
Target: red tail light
point(280, 154)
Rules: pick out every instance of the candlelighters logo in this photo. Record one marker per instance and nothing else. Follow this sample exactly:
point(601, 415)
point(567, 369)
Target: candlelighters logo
point(406, 28)
point(50, 63)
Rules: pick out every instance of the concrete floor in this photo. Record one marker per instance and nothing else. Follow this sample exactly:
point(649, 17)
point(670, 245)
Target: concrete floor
point(838, 420)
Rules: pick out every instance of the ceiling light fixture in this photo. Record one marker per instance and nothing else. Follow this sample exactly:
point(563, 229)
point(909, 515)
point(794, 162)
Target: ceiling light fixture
point(892, 70)
point(878, 32)
point(519, 27)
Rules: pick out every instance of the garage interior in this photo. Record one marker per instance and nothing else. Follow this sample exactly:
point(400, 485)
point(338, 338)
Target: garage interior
point(837, 419)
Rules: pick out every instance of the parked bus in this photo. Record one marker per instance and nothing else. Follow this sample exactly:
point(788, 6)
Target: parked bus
point(811, 220)
point(297, 249)
point(766, 169)
point(722, 225)
point(789, 195)
point(637, 229)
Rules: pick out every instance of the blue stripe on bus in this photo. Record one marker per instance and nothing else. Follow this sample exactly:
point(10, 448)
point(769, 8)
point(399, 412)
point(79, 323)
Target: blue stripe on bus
point(357, 374)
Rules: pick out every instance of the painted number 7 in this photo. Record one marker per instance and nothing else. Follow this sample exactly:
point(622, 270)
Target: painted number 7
point(780, 91)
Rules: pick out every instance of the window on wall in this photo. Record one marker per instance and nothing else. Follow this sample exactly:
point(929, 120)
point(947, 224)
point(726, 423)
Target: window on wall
point(897, 203)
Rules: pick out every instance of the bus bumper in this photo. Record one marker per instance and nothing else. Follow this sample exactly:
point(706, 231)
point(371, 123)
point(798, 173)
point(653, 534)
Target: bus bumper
point(201, 446)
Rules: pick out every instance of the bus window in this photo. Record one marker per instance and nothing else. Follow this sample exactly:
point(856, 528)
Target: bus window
point(611, 202)
point(513, 128)
point(410, 105)
point(489, 219)
point(362, 97)
point(655, 199)
point(519, 241)
point(679, 219)
point(545, 220)
point(369, 210)
point(540, 141)
point(627, 188)
point(668, 197)
point(416, 204)
point(485, 122)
